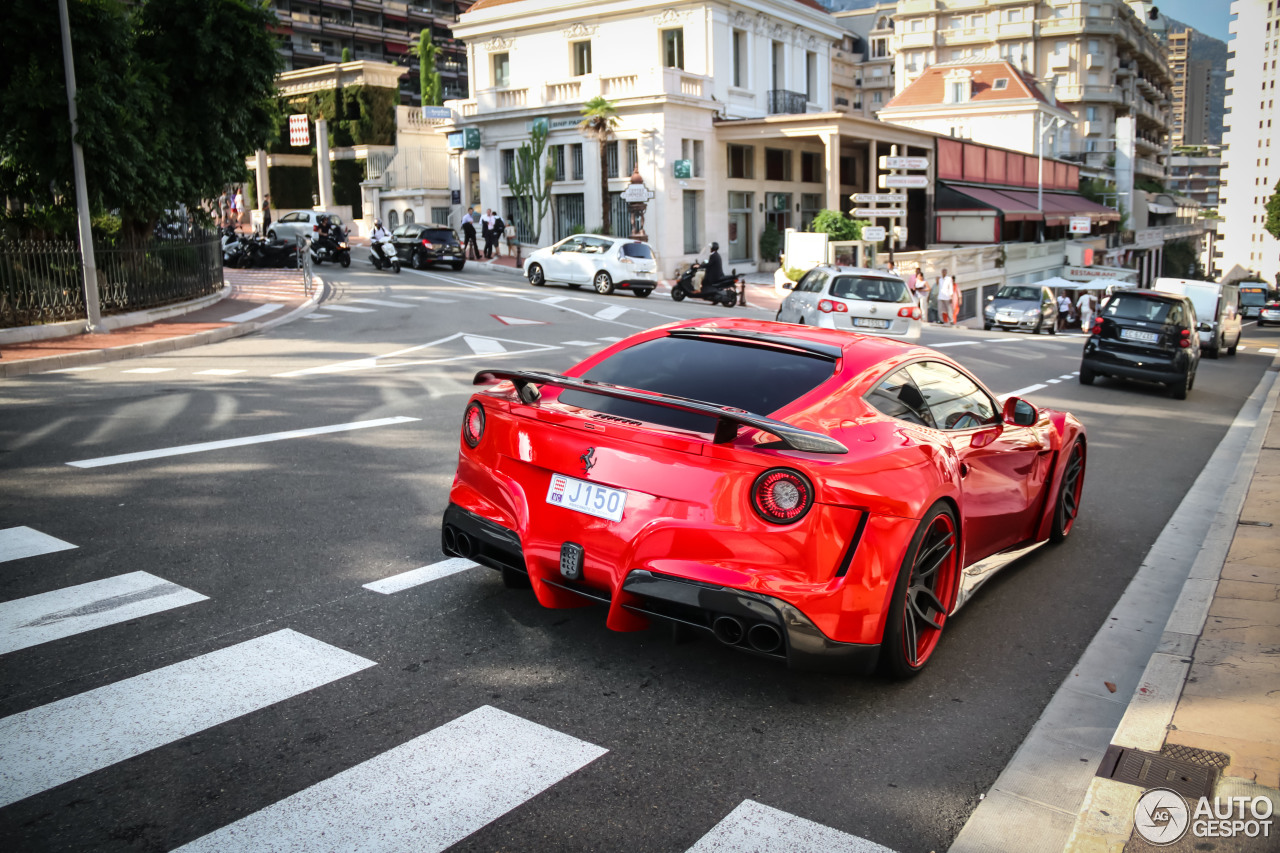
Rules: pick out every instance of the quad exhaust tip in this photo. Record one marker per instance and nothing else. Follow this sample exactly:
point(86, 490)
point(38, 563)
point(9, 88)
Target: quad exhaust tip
point(728, 630)
point(762, 637)
point(458, 542)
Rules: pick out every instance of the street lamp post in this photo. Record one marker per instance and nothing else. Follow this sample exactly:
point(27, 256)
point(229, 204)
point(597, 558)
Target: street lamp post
point(1041, 127)
point(91, 304)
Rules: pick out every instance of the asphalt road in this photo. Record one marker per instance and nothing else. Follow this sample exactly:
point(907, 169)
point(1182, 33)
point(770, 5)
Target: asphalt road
point(289, 672)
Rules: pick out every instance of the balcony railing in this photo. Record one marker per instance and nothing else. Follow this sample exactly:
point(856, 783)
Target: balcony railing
point(784, 102)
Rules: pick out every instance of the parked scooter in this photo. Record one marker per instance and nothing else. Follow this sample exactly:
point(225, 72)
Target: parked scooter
point(693, 284)
point(383, 254)
point(234, 248)
point(271, 253)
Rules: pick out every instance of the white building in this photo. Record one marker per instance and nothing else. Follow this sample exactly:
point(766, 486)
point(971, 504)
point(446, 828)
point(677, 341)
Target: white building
point(741, 90)
point(1248, 177)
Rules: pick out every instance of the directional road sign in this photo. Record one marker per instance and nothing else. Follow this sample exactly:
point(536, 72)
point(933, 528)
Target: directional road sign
point(890, 181)
point(876, 198)
point(878, 211)
point(873, 233)
point(904, 162)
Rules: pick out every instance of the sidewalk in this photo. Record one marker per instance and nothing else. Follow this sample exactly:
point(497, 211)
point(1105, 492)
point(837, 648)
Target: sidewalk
point(1205, 717)
point(252, 300)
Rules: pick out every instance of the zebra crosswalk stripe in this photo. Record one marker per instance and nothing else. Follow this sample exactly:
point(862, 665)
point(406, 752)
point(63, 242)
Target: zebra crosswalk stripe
point(417, 577)
point(756, 828)
point(424, 795)
point(19, 542)
point(50, 616)
point(64, 740)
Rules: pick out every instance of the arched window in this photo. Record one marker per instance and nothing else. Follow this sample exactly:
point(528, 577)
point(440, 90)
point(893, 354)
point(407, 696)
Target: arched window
point(408, 216)
point(393, 219)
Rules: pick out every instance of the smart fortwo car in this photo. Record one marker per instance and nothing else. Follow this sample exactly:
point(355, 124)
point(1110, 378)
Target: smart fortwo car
point(817, 496)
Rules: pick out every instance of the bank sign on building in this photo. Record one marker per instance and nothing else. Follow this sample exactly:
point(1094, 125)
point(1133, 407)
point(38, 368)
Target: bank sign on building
point(724, 110)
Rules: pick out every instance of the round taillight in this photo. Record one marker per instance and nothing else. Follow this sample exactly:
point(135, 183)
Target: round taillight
point(1097, 326)
point(781, 496)
point(473, 424)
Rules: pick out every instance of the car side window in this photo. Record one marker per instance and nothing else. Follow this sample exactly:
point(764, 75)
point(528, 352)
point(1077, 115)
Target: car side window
point(573, 244)
point(594, 245)
point(898, 397)
point(813, 281)
point(399, 232)
point(291, 217)
point(955, 400)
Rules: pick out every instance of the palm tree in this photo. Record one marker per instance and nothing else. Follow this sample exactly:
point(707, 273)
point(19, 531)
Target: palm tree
point(601, 117)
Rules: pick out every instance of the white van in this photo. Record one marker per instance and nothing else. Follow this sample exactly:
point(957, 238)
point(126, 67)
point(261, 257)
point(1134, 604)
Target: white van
point(1217, 306)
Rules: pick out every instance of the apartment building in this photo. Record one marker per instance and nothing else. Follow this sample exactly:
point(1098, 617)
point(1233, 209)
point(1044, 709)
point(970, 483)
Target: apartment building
point(314, 32)
point(1103, 58)
point(1190, 91)
point(862, 69)
point(1196, 172)
point(1253, 126)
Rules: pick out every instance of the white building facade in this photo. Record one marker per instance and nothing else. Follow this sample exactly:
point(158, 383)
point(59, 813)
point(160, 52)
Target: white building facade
point(1248, 176)
point(742, 91)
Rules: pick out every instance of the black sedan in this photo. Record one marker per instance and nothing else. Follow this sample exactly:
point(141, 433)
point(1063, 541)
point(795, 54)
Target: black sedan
point(421, 244)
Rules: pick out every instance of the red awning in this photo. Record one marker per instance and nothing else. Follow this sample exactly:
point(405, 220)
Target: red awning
point(1013, 209)
point(1058, 207)
point(392, 47)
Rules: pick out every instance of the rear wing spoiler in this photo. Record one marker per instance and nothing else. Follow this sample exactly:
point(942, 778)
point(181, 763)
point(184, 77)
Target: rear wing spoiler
point(728, 419)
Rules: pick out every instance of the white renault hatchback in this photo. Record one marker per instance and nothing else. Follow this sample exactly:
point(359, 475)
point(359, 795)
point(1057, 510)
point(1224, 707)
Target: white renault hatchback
point(861, 300)
point(604, 263)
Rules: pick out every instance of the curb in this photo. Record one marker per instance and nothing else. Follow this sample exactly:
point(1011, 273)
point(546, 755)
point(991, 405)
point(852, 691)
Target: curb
point(1105, 819)
point(71, 328)
point(199, 339)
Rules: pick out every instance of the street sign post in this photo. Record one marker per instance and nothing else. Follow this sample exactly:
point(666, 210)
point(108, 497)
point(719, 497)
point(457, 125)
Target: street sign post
point(903, 181)
point(904, 162)
point(879, 211)
point(637, 192)
point(436, 112)
point(873, 233)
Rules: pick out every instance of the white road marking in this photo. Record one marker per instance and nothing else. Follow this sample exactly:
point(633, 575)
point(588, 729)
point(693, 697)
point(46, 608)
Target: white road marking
point(468, 295)
point(60, 613)
point(486, 348)
point(218, 371)
point(253, 313)
point(955, 344)
point(1068, 376)
point(234, 442)
point(1021, 391)
point(517, 321)
point(417, 577)
point(425, 795)
point(350, 309)
point(579, 344)
point(1267, 350)
point(432, 299)
point(385, 303)
point(611, 313)
point(150, 370)
point(1053, 381)
point(77, 369)
point(556, 300)
point(19, 542)
point(316, 315)
point(611, 340)
point(64, 740)
point(756, 828)
point(483, 346)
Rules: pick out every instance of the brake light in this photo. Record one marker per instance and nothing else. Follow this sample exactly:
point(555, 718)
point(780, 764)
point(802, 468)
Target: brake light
point(912, 313)
point(827, 306)
point(1185, 341)
point(1097, 327)
point(473, 423)
point(428, 244)
point(781, 496)
point(315, 227)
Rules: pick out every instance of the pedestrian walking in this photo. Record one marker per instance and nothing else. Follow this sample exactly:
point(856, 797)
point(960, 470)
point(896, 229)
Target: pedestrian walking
point(1064, 310)
point(1088, 305)
point(948, 303)
point(920, 289)
point(499, 231)
point(488, 231)
point(469, 248)
point(241, 213)
point(931, 301)
point(266, 213)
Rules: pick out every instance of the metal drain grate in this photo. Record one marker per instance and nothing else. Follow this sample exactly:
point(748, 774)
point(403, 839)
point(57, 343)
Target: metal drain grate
point(1194, 755)
point(1190, 778)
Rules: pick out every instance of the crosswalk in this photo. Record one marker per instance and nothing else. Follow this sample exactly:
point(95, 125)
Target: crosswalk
point(437, 786)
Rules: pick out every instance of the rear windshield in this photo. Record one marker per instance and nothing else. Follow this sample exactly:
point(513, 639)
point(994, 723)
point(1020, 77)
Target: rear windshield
point(869, 289)
point(1022, 293)
point(758, 379)
point(637, 250)
point(1129, 306)
point(439, 235)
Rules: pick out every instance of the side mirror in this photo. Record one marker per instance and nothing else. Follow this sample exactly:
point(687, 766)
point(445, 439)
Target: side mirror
point(788, 285)
point(733, 272)
point(1019, 412)
point(1204, 327)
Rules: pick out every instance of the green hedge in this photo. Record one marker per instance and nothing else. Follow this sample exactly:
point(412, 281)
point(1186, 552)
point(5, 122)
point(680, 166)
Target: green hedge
point(292, 187)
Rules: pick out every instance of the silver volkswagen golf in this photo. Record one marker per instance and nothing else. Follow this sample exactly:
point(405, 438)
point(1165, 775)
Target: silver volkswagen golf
point(853, 298)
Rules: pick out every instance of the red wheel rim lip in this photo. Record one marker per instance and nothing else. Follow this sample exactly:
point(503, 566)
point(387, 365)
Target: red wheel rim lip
point(944, 589)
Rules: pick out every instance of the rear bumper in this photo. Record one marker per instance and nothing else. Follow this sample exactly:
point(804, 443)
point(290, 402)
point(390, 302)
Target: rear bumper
point(694, 604)
point(1131, 366)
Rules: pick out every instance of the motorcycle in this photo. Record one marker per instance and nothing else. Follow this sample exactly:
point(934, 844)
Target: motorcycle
point(383, 253)
point(327, 247)
point(260, 252)
point(234, 248)
point(693, 285)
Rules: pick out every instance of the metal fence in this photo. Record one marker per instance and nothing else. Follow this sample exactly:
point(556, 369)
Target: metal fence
point(42, 281)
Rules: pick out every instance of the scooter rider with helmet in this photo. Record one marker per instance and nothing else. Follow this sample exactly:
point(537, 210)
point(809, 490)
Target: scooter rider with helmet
point(713, 275)
point(379, 239)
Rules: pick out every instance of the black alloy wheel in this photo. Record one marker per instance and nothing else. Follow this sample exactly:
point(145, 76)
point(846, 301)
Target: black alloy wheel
point(642, 292)
point(1181, 387)
point(1067, 506)
point(923, 593)
point(677, 294)
point(1087, 376)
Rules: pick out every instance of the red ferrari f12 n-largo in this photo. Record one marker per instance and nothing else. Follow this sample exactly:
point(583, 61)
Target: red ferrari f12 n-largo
point(814, 495)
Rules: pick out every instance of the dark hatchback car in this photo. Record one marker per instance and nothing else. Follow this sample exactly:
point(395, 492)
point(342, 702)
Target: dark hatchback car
point(1144, 334)
point(420, 245)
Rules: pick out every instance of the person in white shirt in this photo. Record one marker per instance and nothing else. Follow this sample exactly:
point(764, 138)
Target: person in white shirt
point(239, 207)
point(947, 301)
point(1064, 310)
point(1088, 305)
point(376, 236)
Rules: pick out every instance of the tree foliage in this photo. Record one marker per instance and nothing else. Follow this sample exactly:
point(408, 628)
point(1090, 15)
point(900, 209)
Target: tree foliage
point(429, 85)
point(532, 179)
point(1272, 221)
point(172, 95)
point(600, 119)
point(837, 225)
